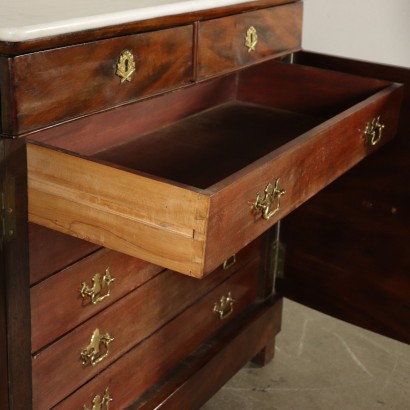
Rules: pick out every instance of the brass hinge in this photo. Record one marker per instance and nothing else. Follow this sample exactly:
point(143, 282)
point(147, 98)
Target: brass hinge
point(8, 217)
point(279, 251)
point(277, 259)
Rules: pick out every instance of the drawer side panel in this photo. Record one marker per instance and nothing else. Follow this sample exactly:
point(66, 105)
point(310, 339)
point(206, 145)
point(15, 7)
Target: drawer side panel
point(151, 220)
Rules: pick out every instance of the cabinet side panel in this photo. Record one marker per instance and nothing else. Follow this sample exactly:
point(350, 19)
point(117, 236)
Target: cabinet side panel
point(16, 275)
point(3, 323)
point(348, 249)
point(7, 102)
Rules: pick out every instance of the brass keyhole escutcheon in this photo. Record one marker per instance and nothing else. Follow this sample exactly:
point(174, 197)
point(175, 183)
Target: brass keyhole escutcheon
point(266, 204)
point(251, 38)
point(374, 131)
point(125, 66)
point(224, 307)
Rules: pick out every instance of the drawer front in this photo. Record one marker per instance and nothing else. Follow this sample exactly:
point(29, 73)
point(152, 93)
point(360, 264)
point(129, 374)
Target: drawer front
point(78, 80)
point(70, 297)
point(62, 302)
point(51, 251)
point(296, 171)
point(120, 327)
point(227, 43)
point(157, 355)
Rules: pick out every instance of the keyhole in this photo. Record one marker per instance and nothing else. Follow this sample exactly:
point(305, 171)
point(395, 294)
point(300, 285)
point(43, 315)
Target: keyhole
point(126, 63)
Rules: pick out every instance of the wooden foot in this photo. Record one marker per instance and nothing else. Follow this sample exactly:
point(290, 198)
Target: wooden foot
point(265, 355)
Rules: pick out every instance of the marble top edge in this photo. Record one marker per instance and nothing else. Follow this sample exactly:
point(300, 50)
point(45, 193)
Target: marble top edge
point(19, 24)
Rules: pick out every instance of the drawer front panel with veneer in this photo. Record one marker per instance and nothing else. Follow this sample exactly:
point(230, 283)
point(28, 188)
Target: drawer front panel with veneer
point(89, 348)
point(227, 43)
point(82, 79)
point(171, 196)
point(51, 251)
point(161, 352)
point(63, 301)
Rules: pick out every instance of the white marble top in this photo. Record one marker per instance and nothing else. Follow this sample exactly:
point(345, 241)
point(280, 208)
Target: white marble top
point(31, 19)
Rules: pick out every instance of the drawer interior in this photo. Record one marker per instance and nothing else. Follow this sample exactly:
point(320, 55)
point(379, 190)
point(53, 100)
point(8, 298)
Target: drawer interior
point(208, 146)
point(263, 108)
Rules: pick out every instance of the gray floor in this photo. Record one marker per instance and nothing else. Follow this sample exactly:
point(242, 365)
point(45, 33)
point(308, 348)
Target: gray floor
point(325, 364)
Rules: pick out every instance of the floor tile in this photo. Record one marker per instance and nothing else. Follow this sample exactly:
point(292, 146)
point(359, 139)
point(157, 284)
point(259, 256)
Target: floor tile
point(322, 363)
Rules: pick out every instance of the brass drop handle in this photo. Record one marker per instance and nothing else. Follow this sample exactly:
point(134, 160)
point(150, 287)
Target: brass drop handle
point(251, 39)
point(125, 67)
point(229, 262)
point(100, 401)
point(224, 307)
point(97, 350)
point(374, 131)
point(100, 289)
point(272, 194)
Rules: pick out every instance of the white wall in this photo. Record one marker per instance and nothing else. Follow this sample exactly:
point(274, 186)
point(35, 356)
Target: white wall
point(373, 30)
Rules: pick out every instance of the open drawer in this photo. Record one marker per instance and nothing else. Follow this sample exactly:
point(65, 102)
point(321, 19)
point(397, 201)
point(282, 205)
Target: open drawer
point(187, 179)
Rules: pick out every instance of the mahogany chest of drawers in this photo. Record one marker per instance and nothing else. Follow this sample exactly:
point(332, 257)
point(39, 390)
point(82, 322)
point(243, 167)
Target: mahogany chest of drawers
point(145, 169)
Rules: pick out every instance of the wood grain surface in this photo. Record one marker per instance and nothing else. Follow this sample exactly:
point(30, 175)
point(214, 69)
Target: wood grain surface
point(130, 321)
point(51, 251)
point(57, 305)
point(305, 165)
point(81, 79)
point(221, 42)
point(153, 220)
point(230, 151)
point(211, 366)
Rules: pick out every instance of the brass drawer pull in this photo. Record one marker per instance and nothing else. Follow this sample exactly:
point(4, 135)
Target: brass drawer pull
point(97, 350)
point(99, 402)
point(100, 289)
point(374, 131)
point(224, 307)
point(125, 66)
point(265, 205)
point(229, 262)
point(251, 38)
